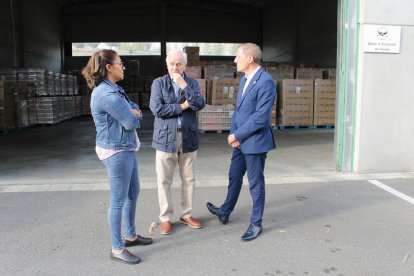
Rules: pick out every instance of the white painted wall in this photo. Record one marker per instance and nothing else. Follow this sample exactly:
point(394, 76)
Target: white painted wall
point(384, 134)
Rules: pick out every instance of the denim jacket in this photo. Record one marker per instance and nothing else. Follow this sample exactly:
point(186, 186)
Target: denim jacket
point(166, 108)
point(114, 121)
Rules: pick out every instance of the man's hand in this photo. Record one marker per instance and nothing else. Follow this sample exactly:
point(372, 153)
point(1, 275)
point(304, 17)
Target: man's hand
point(235, 144)
point(179, 80)
point(231, 139)
point(185, 105)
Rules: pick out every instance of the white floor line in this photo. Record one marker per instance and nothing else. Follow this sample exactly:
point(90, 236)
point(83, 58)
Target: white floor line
point(392, 191)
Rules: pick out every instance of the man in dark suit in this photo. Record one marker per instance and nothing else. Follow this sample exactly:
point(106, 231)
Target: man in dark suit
point(251, 137)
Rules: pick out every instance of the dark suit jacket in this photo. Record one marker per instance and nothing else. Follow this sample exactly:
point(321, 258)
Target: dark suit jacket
point(251, 118)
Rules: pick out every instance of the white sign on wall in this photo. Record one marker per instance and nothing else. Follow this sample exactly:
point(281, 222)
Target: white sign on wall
point(382, 39)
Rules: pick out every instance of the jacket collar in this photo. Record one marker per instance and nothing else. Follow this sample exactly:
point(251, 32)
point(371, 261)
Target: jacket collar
point(114, 85)
point(167, 78)
point(252, 83)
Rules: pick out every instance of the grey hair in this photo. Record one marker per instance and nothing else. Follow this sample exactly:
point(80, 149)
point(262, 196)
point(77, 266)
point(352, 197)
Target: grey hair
point(253, 50)
point(174, 52)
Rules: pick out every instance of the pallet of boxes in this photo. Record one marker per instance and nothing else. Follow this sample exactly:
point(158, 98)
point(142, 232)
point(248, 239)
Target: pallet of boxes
point(217, 87)
point(278, 72)
point(307, 101)
point(42, 96)
point(14, 112)
point(221, 98)
point(138, 89)
point(324, 103)
point(8, 112)
point(295, 103)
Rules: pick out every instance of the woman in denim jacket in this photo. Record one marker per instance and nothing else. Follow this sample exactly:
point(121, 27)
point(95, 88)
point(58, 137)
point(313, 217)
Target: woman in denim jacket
point(116, 118)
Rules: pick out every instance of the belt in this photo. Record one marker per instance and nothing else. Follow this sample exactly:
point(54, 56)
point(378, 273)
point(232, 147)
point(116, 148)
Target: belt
point(179, 129)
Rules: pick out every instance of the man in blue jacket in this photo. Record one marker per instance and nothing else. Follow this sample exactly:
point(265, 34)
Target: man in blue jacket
point(175, 98)
point(251, 137)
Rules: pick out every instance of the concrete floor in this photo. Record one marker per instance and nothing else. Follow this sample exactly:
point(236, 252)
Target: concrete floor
point(62, 157)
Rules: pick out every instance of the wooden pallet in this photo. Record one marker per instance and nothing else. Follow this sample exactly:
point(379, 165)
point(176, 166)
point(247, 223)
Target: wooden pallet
point(10, 130)
point(213, 131)
point(296, 127)
point(324, 126)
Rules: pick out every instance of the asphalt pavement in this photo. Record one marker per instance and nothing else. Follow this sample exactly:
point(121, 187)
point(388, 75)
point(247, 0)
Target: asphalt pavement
point(326, 228)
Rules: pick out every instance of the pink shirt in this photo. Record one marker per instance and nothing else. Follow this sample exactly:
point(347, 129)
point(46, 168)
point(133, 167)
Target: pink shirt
point(106, 153)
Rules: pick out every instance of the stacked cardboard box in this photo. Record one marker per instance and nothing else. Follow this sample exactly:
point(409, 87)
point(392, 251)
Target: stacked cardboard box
point(85, 104)
point(7, 118)
point(32, 110)
point(58, 84)
point(273, 116)
point(295, 102)
point(8, 74)
point(7, 110)
point(329, 73)
point(309, 73)
point(31, 103)
point(203, 87)
point(219, 71)
point(324, 102)
point(49, 110)
point(193, 72)
point(34, 79)
point(193, 55)
point(75, 85)
point(69, 85)
point(281, 71)
point(215, 118)
point(42, 82)
point(22, 112)
point(63, 86)
point(68, 108)
point(77, 106)
point(222, 91)
point(50, 83)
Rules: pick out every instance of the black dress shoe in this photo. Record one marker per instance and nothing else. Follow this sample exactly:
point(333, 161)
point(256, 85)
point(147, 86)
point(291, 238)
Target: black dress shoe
point(138, 241)
point(216, 211)
point(252, 232)
point(125, 257)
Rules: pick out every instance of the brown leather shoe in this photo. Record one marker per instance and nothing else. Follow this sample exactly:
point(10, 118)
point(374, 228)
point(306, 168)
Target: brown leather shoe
point(192, 222)
point(166, 228)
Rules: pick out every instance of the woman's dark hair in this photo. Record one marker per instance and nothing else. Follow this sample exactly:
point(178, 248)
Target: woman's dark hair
point(95, 70)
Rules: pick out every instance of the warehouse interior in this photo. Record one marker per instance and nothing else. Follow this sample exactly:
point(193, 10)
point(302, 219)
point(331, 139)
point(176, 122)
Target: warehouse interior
point(39, 34)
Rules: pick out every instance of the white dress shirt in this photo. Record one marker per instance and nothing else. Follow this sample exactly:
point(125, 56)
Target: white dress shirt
point(248, 79)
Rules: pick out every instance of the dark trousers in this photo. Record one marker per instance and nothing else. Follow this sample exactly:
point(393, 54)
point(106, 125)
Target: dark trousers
point(254, 165)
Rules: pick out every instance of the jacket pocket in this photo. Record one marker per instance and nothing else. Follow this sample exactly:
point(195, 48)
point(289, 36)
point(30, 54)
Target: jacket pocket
point(163, 134)
point(193, 136)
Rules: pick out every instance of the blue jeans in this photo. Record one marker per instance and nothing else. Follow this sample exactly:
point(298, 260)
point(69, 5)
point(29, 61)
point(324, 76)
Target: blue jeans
point(122, 170)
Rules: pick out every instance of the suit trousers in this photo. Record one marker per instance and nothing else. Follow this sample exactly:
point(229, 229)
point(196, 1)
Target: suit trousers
point(165, 163)
point(254, 165)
